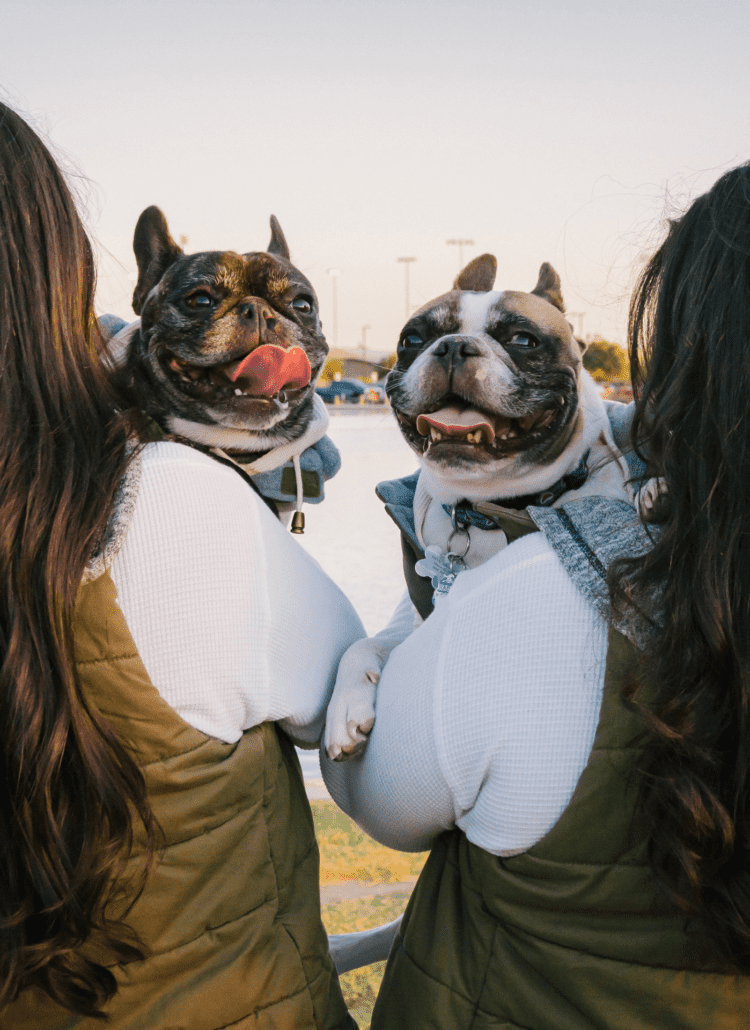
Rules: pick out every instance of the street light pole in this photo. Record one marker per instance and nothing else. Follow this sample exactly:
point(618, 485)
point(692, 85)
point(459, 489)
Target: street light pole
point(460, 244)
point(334, 274)
point(364, 341)
point(406, 261)
point(580, 315)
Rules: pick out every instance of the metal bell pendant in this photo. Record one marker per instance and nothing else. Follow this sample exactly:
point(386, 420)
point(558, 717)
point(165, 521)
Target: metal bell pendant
point(298, 522)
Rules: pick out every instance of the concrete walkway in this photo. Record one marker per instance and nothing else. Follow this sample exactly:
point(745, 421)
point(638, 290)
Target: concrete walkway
point(316, 789)
point(331, 893)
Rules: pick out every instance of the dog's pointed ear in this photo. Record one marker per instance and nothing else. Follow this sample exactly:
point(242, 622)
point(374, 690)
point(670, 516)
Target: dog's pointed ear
point(549, 287)
point(278, 244)
point(478, 276)
point(155, 251)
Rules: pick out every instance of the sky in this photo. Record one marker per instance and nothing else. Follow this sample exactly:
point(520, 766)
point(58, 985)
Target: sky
point(541, 131)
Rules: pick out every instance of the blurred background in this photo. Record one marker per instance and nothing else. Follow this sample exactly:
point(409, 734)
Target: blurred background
point(394, 140)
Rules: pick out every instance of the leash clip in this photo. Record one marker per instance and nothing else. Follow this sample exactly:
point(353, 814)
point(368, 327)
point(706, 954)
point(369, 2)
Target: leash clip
point(459, 526)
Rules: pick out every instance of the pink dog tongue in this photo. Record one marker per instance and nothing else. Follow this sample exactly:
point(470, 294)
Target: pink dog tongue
point(270, 369)
point(455, 421)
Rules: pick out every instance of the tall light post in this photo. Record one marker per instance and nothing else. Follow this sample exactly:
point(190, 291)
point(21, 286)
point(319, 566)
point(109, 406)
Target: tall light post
point(580, 315)
point(460, 244)
point(364, 341)
point(334, 274)
point(406, 261)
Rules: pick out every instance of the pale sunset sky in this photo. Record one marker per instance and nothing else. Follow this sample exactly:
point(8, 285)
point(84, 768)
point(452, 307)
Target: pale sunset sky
point(542, 131)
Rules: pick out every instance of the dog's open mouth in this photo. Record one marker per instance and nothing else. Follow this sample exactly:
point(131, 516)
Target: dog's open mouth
point(456, 423)
point(267, 374)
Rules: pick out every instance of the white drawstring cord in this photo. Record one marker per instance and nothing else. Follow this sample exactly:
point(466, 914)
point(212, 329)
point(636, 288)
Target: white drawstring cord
point(298, 519)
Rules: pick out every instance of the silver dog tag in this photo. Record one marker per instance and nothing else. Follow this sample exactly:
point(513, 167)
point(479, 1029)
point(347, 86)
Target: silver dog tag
point(440, 568)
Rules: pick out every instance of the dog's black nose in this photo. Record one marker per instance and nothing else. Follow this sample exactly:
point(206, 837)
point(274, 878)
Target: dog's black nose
point(455, 349)
point(253, 311)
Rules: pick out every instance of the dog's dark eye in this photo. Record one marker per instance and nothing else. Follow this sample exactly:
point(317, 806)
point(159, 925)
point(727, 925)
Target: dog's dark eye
point(523, 340)
point(201, 299)
point(411, 341)
point(303, 304)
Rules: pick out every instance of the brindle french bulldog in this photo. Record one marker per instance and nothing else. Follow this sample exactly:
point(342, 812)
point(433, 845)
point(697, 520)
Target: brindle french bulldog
point(229, 346)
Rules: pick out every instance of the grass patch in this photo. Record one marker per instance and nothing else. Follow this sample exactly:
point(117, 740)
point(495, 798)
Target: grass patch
point(360, 986)
point(347, 853)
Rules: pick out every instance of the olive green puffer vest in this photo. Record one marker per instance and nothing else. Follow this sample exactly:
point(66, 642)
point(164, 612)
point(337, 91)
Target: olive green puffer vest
point(567, 936)
point(230, 915)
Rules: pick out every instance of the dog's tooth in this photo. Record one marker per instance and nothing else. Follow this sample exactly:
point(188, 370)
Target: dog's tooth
point(238, 392)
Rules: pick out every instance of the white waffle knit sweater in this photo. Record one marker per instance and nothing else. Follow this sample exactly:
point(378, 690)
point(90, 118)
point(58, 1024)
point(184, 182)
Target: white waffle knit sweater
point(234, 622)
point(486, 713)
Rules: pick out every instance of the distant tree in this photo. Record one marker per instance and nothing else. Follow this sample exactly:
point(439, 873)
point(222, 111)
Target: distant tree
point(606, 361)
point(332, 368)
point(387, 364)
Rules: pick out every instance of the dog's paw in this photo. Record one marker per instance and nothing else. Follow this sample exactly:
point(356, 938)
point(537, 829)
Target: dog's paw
point(350, 718)
point(651, 499)
point(351, 712)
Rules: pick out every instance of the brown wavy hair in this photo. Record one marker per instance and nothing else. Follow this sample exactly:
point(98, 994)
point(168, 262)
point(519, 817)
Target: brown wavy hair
point(70, 790)
point(689, 341)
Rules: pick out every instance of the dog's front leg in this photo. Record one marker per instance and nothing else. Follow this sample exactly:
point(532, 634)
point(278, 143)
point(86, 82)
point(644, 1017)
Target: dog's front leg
point(351, 711)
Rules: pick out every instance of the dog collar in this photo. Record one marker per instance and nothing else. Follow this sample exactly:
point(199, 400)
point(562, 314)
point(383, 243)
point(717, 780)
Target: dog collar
point(284, 477)
point(318, 462)
point(467, 513)
point(300, 479)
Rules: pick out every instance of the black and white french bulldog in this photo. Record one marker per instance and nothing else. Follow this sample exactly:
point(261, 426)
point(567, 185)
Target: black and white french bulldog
point(227, 350)
point(490, 392)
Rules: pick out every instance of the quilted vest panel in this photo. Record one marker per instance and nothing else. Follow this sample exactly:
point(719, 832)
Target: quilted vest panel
point(567, 936)
point(230, 915)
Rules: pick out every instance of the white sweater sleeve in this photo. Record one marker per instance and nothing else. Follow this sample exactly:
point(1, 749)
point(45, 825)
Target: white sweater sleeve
point(486, 714)
point(402, 623)
point(235, 623)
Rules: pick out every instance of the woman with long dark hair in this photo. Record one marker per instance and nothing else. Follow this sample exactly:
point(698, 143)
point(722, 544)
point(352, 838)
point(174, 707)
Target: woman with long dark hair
point(573, 743)
point(158, 863)
point(690, 360)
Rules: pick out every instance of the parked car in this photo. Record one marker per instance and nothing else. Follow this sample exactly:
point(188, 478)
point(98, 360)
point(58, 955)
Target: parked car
point(375, 393)
point(344, 389)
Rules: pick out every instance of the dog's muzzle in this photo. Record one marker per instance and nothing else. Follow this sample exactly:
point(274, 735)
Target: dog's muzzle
point(452, 351)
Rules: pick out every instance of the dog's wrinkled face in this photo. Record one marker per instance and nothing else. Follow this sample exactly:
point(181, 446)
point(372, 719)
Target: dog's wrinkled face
point(485, 387)
point(226, 339)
